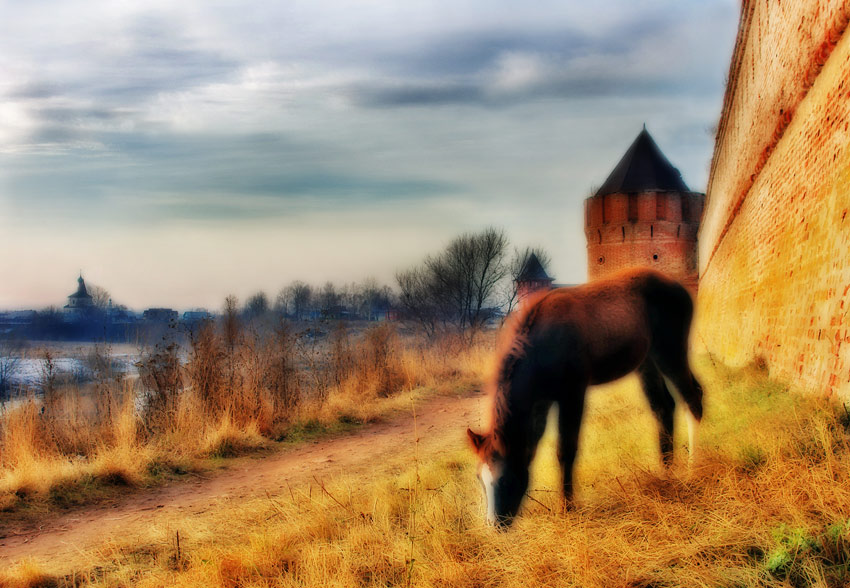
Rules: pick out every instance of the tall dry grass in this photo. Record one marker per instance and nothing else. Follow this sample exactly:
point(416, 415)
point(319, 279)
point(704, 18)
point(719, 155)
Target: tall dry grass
point(234, 389)
point(767, 503)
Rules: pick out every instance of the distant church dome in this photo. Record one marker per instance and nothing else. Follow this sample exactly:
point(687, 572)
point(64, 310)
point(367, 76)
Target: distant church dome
point(81, 298)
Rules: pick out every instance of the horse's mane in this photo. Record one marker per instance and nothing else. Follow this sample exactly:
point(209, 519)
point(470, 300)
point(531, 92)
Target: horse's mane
point(511, 347)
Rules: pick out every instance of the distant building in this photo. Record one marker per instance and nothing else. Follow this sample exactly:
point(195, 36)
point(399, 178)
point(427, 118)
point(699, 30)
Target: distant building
point(80, 303)
point(532, 277)
point(644, 215)
point(196, 316)
point(159, 315)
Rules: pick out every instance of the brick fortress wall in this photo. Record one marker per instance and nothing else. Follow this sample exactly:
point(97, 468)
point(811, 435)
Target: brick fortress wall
point(654, 229)
point(774, 246)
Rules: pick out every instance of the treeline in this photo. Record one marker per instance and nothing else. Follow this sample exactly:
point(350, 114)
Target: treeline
point(366, 300)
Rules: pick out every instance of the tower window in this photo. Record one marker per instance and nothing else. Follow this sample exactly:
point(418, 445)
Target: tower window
point(598, 232)
point(601, 259)
point(655, 256)
point(651, 231)
point(624, 232)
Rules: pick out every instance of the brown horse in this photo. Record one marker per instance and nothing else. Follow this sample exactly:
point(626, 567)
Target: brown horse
point(567, 339)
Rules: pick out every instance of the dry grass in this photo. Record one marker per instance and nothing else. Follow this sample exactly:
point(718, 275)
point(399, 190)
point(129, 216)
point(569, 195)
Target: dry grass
point(79, 442)
point(767, 503)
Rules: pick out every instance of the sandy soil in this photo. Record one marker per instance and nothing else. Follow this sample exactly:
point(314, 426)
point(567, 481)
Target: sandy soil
point(440, 424)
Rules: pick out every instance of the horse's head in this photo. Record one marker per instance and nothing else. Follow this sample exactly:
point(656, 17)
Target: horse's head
point(504, 481)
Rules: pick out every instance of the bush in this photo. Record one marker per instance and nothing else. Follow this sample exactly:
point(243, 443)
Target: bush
point(161, 376)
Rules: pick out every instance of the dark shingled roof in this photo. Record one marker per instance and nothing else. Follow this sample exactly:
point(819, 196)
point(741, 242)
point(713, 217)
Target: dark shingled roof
point(81, 292)
point(532, 270)
point(643, 169)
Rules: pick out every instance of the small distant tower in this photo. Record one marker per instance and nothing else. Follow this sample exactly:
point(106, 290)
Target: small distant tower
point(532, 277)
point(644, 215)
point(80, 301)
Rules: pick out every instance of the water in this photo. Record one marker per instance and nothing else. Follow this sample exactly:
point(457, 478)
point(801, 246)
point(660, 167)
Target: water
point(68, 364)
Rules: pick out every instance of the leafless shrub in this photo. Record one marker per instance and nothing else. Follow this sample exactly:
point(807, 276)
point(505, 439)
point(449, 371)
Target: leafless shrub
point(48, 378)
point(313, 355)
point(248, 401)
point(282, 377)
point(382, 355)
point(162, 381)
point(107, 375)
point(206, 368)
point(11, 351)
point(231, 333)
point(341, 355)
point(378, 363)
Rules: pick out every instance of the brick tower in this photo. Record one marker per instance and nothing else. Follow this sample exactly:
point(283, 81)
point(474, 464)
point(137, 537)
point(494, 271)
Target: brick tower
point(532, 277)
point(644, 215)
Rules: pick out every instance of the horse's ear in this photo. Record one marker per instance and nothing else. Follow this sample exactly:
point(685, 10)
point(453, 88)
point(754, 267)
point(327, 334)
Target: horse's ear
point(476, 439)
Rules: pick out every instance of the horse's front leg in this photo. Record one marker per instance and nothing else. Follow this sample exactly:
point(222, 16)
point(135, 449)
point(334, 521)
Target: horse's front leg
point(570, 411)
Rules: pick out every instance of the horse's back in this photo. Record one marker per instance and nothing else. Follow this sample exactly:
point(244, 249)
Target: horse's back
point(607, 327)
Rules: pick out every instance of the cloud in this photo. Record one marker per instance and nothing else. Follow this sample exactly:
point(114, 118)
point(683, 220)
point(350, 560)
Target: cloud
point(133, 115)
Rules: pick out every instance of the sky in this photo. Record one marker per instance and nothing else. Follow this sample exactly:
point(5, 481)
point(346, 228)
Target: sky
point(178, 152)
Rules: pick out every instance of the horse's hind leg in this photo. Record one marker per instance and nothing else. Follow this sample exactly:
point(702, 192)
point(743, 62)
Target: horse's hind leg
point(662, 404)
point(570, 410)
point(682, 384)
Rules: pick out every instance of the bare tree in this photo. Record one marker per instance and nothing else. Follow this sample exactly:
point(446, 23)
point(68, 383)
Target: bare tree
point(283, 302)
point(100, 297)
point(296, 299)
point(459, 286)
point(257, 305)
point(421, 298)
point(370, 297)
point(328, 298)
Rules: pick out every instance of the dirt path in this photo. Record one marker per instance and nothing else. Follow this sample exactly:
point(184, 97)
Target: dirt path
point(440, 423)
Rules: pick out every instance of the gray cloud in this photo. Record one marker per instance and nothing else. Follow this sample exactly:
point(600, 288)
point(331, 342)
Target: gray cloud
point(121, 115)
point(34, 89)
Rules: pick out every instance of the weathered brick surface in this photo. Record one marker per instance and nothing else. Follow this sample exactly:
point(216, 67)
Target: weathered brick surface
point(780, 50)
point(654, 229)
point(775, 244)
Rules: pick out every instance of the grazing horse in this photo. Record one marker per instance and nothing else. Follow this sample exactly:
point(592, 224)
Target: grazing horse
point(561, 342)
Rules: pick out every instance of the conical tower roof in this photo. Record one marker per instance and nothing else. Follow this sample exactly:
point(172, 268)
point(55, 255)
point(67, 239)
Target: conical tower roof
point(531, 270)
point(643, 168)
